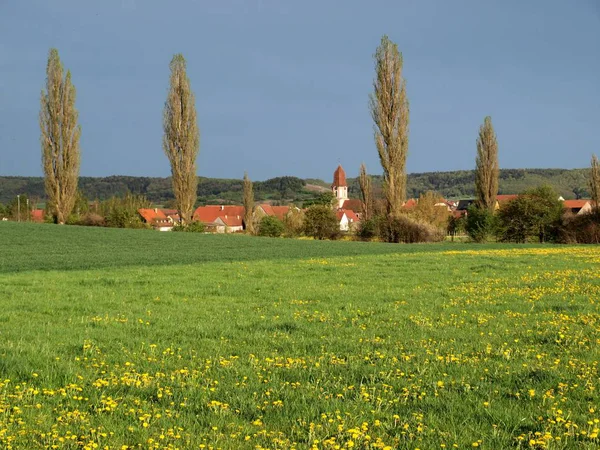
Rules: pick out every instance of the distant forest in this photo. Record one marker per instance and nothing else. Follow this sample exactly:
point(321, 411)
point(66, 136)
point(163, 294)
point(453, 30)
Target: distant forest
point(570, 184)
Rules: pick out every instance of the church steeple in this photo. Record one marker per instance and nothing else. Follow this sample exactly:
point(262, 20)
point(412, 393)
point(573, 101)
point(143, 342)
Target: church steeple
point(339, 186)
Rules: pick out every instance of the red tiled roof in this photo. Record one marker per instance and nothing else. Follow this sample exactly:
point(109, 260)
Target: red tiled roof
point(232, 221)
point(208, 214)
point(410, 203)
point(573, 204)
point(280, 211)
point(37, 215)
point(351, 215)
point(275, 211)
point(354, 204)
point(151, 215)
point(339, 177)
point(501, 198)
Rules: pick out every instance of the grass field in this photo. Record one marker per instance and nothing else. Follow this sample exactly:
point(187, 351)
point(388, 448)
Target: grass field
point(135, 339)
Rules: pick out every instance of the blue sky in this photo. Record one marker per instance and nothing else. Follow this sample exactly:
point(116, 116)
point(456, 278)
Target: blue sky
point(282, 86)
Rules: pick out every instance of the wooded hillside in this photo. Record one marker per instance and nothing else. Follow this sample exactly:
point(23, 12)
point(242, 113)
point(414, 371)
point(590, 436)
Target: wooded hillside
point(458, 184)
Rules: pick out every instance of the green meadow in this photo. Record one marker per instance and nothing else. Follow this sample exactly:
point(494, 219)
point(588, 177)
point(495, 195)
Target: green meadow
point(127, 339)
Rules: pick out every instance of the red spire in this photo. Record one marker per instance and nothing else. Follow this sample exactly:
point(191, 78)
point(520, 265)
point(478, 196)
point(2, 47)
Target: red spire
point(339, 177)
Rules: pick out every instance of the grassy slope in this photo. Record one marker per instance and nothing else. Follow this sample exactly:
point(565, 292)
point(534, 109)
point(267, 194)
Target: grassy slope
point(234, 342)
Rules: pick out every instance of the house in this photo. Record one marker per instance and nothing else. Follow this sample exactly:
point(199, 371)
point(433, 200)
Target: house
point(224, 219)
point(37, 215)
point(410, 203)
point(463, 205)
point(353, 204)
point(347, 219)
point(172, 214)
point(504, 198)
point(265, 209)
point(578, 207)
point(156, 219)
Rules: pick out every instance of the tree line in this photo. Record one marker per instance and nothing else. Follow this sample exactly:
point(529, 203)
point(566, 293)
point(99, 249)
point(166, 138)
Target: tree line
point(383, 209)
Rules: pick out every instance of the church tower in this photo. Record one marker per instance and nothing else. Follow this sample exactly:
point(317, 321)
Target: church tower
point(339, 186)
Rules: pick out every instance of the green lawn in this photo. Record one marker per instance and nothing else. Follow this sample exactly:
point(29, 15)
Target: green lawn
point(138, 339)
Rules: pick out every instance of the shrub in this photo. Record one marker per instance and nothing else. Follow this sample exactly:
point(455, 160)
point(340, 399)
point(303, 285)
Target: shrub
point(583, 229)
point(92, 220)
point(367, 229)
point(456, 225)
point(535, 214)
point(320, 222)
point(270, 226)
point(480, 224)
point(293, 222)
point(192, 227)
point(408, 230)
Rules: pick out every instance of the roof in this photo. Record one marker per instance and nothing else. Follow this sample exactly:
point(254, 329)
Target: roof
point(354, 204)
point(152, 215)
point(232, 221)
point(276, 211)
point(502, 198)
point(410, 203)
point(339, 177)
point(208, 214)
point(350, 215)
point(37, 215)
point(463, 205)
point(575, 204)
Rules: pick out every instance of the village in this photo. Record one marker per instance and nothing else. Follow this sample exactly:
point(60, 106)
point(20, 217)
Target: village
point(230, 218)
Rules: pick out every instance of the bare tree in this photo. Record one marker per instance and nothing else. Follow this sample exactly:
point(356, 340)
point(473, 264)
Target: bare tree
point(389, 110)
point(181, 140)
point(248, 204)
point(59, 138)
point(366, 192)
point(486, 166)
point(595, 183)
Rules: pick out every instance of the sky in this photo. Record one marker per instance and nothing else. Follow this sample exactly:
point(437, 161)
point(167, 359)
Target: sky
point(282, 86)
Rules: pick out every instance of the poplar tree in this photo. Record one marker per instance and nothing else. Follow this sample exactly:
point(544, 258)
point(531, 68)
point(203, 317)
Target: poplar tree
point(181, 140)
point(248, 203)
point(595, 183)
point(366, 192)
point(59, 139)
point(486, 166)
point(389, 110)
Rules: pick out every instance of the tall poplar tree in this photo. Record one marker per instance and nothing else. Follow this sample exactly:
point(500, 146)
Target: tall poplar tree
point(486, 166)
point(59, 139)
point(248, 204)
point(366, 192)
point(389, 110)
point(595, 184)
point(181, 140)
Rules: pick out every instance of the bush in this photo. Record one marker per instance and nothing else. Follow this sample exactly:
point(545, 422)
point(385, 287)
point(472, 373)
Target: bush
point(192, 227)
point(480, 224)
point(583, 229)
point(320, 222)
point(270, 226)
point(293, 222)
point(367, 229)
point(535, 214)
point(408, 230)
point(92, 220)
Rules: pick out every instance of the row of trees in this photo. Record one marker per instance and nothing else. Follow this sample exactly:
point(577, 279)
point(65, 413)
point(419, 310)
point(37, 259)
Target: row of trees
point(389, 107)
point(61, 132)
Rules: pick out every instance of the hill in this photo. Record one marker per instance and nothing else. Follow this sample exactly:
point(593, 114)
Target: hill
point(570, 183)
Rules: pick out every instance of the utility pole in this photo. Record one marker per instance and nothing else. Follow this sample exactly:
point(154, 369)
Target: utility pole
point(18, 208)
